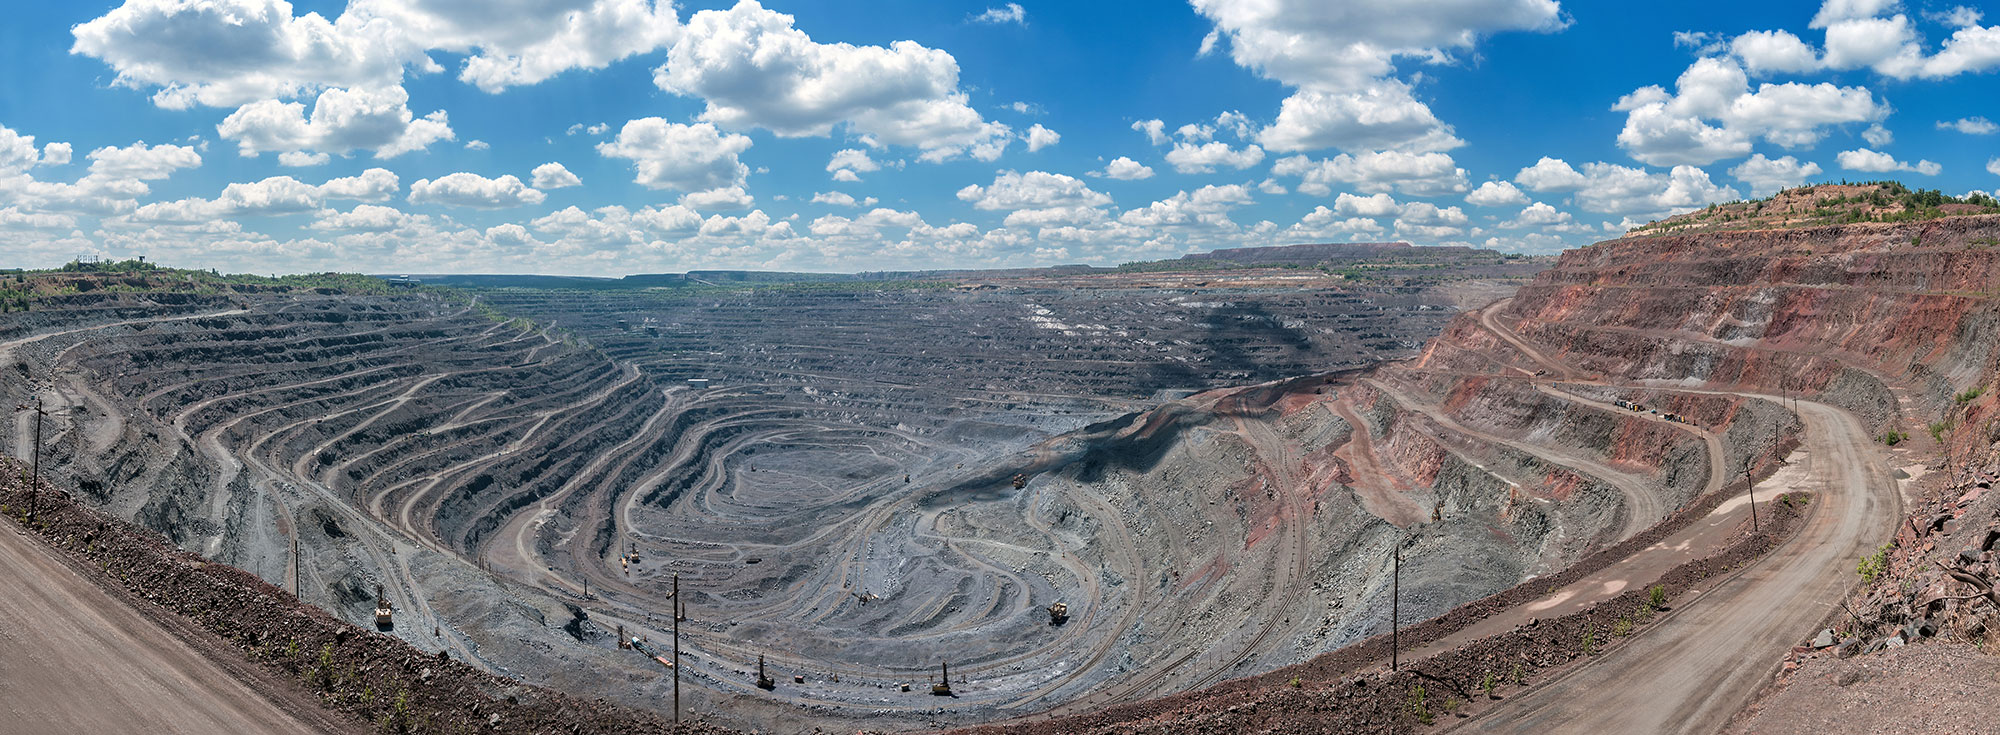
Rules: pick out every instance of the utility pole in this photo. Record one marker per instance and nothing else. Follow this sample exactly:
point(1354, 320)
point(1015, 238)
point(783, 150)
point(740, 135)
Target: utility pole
point(677, 648)
point(34, 484)
point(1751, 488)
point(1395, 606)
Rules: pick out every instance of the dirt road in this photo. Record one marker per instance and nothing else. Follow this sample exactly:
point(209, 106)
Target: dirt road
point(1643, 504)
point(1702, 664)
point(75, 658)
point(1487, 319)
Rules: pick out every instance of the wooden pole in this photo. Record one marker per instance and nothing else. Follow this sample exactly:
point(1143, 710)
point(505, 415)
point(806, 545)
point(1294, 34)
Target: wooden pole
point(1751, 488)
point(35, 484)
point(677, 650)
point(1395, 607)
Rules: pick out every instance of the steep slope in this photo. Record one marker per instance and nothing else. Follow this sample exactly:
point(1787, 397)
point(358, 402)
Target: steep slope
point(1881, 326)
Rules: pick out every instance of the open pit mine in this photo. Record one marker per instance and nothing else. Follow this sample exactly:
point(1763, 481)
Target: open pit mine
point(1196, 496)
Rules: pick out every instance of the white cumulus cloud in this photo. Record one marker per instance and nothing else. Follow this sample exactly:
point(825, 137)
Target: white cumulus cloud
point(1341, 59)
point(1124, 169)
point(727, 199)
point(1154, 130)
point(302, 159)
point(1374, 205)
point(1040, 137)
point(848, 164)
point(1496, 194)
point(1767, 176)
point(471, 190)
point(1669, 129)
point(1418, 174)
point(1622, 190)
point(140, 161)
point(668, 155)
point(755, 70)
point(1769, 52)
point(553, 175)
point(235, 52)
point(1188, 158)
point(1976, 125)
point(1009, 13)
point(342, 120)
point(1032, 190)
point(1866, 159)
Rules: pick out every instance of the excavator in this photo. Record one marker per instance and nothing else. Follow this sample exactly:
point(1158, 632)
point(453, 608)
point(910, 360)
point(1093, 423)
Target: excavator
point(1059, 613)
point(384, 613)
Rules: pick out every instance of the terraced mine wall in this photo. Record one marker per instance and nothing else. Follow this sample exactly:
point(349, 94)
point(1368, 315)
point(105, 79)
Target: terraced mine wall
point(837, 496)
point(1558, 399)
point(859, 485)
point(1833, 310)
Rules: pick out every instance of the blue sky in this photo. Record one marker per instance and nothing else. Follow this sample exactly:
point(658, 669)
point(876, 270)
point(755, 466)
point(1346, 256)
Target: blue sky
point(605, 137)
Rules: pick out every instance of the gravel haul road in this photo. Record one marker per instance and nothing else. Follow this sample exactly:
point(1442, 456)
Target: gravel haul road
point(74, 658)
point(1705, 662)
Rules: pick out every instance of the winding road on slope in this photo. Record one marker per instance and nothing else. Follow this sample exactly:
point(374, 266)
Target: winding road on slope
point(1643, 504)
point(1699, 666)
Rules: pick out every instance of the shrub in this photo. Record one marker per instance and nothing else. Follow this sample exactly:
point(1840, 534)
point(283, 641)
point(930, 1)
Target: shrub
point(1295, 683)
point(1622, 628)
point(1970, 393)
point(1894, 437)
point(399, 712)
point(324, 671)
point(1873, 565)
point(1657, 597)
point(1487, 684)
point(1590, 643)
point(1418, 708)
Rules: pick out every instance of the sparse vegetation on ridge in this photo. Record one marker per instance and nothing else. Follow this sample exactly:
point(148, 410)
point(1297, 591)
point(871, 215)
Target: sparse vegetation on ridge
point(1825, 204)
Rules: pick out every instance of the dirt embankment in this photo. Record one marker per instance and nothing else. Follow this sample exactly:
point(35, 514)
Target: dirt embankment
point(1911, 649)
point(359, 676)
